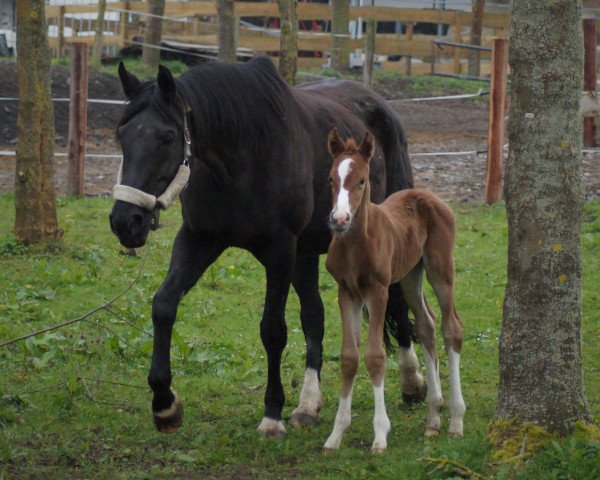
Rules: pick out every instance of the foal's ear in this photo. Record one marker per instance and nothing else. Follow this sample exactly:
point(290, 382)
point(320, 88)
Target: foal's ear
point(367, 146)
point(335, 144)
point(166, 83)
point(129, 81)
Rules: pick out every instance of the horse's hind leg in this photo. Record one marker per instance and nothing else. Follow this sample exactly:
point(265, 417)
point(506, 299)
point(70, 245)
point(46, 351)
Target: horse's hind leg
point(306, 284)
point(412, 286)
point(440, 274)
point(414, 388)
point(351, 310)
point(189, 258)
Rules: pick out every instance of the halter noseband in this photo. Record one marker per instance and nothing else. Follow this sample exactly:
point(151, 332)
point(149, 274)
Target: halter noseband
point(150, 202)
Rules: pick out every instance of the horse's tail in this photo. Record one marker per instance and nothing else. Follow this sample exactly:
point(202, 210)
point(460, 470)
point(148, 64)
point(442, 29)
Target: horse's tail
point(387, 128)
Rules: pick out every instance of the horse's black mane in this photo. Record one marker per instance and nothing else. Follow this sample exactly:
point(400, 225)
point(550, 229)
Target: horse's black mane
point(226, 101)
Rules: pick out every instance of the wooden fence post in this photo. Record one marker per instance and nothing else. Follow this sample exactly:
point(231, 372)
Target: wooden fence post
point(589, 77)
point(77, 118)
point(409, 37)
point(495, 160)
point(369, 52)
point(61, 31)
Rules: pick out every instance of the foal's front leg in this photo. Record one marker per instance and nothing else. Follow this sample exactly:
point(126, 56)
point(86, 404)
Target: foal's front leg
point(376, 299)
point(189, 259)
point(351, 310)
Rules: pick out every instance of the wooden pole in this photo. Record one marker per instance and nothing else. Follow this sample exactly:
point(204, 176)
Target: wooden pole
point(61, 31)
point(77, 118)
point(495, 160)
point(409, 37)
point(457, 39)
point(589, 77)
point(369, 52)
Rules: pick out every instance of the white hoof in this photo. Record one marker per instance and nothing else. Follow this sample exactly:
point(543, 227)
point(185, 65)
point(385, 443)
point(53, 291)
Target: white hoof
point(270, 427)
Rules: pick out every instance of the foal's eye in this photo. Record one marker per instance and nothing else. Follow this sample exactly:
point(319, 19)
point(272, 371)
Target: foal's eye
point(362, 182)
point(167, 138)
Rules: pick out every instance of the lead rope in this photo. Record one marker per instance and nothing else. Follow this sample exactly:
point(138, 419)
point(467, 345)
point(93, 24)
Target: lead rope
point(148, 201)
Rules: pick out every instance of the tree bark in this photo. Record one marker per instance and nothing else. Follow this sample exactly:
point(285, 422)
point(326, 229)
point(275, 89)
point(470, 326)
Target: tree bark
point(541, 378)
point(340, 41)
point(476, 29)
point(35, 209)
point(369, 52)
point(288, 58)
point(153, 34)
point(227, 31)
point(98, 35)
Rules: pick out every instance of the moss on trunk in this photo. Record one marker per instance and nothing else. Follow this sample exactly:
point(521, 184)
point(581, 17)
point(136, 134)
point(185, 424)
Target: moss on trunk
point(35, 219)
point(288, 58)
point(541, 380)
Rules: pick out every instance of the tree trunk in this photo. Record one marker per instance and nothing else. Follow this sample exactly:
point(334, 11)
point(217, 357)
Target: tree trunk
point(98, 34)
point(288, 58)
point(369, 52)
point(227, 31)
point(476, 28)
point(35, 218)
point(340, 41)
point(541, 380)
point(153, 34)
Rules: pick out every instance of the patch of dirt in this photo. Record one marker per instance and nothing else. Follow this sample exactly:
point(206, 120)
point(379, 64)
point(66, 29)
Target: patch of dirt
point(439, 126)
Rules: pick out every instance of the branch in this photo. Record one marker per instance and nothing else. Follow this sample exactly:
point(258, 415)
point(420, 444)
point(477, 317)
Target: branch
point(456, 467)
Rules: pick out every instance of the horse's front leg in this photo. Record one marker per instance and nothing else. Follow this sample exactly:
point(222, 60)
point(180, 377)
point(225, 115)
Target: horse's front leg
point(376, 299)
point(278, 259)
point(306, 284)
point(189, 259)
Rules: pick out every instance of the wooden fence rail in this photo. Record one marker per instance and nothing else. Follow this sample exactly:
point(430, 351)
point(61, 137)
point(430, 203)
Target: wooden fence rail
point(195, 22)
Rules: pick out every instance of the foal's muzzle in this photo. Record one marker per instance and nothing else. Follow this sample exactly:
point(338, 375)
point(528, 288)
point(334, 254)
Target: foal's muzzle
point(339, 225)
point(130, 224)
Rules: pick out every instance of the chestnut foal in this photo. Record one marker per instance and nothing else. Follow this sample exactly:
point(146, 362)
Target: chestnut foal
point(374, 246)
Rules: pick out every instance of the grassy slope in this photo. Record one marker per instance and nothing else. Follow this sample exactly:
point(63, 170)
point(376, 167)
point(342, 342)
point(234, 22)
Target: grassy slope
point(220, 368)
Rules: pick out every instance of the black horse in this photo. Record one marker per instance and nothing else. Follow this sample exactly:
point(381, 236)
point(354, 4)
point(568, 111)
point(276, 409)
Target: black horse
point(259, 181)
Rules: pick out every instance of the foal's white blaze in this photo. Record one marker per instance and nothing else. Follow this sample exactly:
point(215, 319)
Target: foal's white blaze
point(457, 404)
point(381, 422)
point(310, 397)
point(342, 422)
point(341, 208)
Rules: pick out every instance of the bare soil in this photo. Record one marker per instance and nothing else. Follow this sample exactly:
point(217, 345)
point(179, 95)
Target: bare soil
point(439, 126)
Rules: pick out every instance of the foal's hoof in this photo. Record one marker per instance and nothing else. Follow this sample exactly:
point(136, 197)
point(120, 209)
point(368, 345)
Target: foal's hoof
point(378, 450)
point(271, 428)
point(304, 419)
point(417, 396)
point(170, 419)
point(432, 432)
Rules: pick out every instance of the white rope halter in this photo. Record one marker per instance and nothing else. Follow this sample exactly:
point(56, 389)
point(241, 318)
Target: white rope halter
point(164, 201)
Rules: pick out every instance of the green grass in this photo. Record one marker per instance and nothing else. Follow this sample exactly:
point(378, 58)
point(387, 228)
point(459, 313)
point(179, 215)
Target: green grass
point(219, 365)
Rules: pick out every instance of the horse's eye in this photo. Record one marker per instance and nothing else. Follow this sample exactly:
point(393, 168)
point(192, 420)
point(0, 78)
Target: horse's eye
point(330, 180)
point(167, 138)
point(362, 182)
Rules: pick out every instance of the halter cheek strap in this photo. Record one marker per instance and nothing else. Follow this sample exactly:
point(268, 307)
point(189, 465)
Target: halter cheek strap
point(164, 201)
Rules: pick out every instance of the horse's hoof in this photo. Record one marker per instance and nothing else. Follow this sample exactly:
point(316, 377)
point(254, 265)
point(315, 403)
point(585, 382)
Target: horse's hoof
point(456, 429)
point(271, 428)
point(170, 419)
point(304, 419)
point(328, 450)
point(432, 432)
point(378, 450)
point(417, 396)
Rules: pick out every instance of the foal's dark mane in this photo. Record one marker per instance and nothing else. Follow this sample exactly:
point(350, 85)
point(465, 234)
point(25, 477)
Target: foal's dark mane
point(227, 101)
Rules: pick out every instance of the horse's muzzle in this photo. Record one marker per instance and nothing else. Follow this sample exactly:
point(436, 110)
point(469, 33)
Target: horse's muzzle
point(339, 226)
point(130, 224)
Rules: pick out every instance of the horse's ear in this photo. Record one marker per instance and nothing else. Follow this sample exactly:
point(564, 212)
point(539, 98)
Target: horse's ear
point(335, 144)
point(129, 81)
point(367, 146)
point(166, 83)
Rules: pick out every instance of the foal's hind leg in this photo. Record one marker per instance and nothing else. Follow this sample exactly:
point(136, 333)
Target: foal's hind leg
point(351, 310)
point(306, 284)
point(414, 388)
point(440, 274)
point(412, 286)
point(190, 257)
